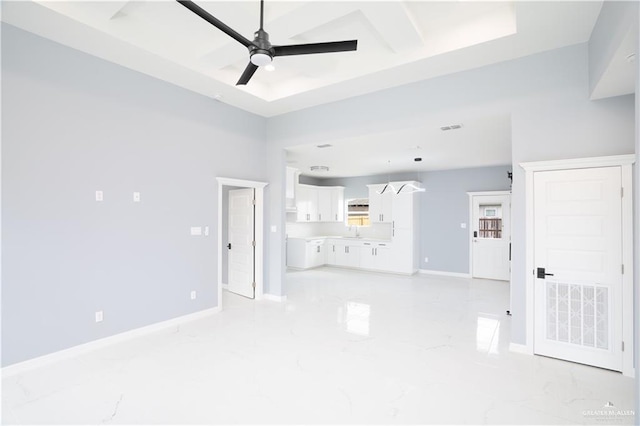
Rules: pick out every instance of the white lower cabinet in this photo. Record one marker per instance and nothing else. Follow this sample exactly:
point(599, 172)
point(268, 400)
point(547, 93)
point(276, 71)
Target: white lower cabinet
point(381, 256)
point(341, 253)
point(304, 254)
point(376, 256)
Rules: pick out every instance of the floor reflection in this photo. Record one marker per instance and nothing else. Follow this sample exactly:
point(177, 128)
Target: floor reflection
point(356, 317)
point(488, 334)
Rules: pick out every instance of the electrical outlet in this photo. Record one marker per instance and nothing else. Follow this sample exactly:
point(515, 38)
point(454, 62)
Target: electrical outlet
point(136, 197)
point(193, 295)
point(99, 196)
point(99, 316)
point(206, 231)
point(463, 225)
point(426, 260)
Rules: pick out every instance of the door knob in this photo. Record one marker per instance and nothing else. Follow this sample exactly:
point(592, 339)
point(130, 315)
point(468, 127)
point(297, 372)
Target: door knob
point(541, 273)
point(229, 246)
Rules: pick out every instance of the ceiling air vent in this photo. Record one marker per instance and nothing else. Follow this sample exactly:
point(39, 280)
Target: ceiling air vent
point(451, 127)
point(324, 145)
point(319, 168)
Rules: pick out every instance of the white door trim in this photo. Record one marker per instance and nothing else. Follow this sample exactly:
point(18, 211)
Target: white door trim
point(471, 223)
point(259, 219)
point(624, 162)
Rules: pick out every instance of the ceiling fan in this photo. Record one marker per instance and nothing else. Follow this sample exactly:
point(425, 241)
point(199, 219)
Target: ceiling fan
point(261, 51)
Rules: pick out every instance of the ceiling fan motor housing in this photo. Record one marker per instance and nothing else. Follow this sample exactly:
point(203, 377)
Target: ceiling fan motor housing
point(261, 47)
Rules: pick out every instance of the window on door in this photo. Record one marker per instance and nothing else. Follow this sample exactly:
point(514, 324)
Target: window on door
point(490, 222)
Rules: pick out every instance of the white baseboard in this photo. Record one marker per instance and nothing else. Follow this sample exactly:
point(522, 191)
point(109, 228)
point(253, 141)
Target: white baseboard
point(444, 273)
point(74, 351)
point(274, 298)
point(520, 349)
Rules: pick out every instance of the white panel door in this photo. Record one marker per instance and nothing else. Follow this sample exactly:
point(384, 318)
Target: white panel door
point(491, 237)
point(241, 237)
point(578, 260)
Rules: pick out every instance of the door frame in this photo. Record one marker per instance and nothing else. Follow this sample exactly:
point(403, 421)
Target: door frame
point(259, 223)
point(625, 163)
point(472, 224)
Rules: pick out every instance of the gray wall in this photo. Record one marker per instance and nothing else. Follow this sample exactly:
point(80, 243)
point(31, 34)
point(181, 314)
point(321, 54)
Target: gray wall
point(73, 124)
point(445, 205)
point(552, 118)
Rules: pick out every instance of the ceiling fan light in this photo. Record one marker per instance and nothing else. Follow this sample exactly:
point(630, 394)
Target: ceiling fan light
point(260, 59)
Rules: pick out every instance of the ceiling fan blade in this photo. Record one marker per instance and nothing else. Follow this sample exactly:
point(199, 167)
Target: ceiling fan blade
point(308, 49)
point(215, 22)
point(247, 74)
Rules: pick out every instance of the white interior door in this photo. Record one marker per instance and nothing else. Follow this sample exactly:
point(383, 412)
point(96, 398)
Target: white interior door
point(491, 258)
point(241, 242)
point(578, 260)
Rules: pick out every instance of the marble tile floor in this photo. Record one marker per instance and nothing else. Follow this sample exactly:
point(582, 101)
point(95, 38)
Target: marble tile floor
point(346, 347)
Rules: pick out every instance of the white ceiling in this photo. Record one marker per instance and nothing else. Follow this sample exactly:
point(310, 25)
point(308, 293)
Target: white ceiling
point(481, 141)
point(398, 41)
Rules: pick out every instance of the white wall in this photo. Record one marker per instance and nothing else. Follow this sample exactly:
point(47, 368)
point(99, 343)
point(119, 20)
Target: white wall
point(552, 118)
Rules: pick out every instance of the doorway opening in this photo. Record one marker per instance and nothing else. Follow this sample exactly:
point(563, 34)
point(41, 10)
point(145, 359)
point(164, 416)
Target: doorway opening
point(240, 237)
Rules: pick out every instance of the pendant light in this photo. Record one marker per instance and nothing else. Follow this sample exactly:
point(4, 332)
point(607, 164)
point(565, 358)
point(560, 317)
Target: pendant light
point(405, 188)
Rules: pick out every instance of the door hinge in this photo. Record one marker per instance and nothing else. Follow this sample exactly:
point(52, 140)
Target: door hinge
point(253, 201)
point(253, 243)
point(622, 192)
point(622, 346)
point(253, 284)
point(622, 268)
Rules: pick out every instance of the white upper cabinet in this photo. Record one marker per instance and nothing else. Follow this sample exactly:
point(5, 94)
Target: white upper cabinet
point(337, 204)
point(320, 203)
point(380, 205)
point(307, 203)
point(324, 204)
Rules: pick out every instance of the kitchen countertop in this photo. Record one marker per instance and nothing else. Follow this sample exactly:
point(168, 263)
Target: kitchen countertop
point(340, 237)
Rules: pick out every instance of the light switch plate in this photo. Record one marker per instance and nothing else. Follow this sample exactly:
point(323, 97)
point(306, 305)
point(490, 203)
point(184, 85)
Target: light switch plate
point(99, 196)
point(273, 228)
point(136, 197)
point(196, 230)
point(463, 225)
point(99, 316)
point(193, 295)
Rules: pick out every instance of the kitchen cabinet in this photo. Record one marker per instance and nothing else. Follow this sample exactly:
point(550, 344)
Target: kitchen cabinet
point(380, 205)
point(324, 204)
point(306, 253)
point(307, 203)
point(320, 203)
point(343, 253)
point(375, 256)
point(347, 256)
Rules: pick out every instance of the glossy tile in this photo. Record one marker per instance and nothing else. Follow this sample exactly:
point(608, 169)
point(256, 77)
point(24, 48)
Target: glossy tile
point(346, 347)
